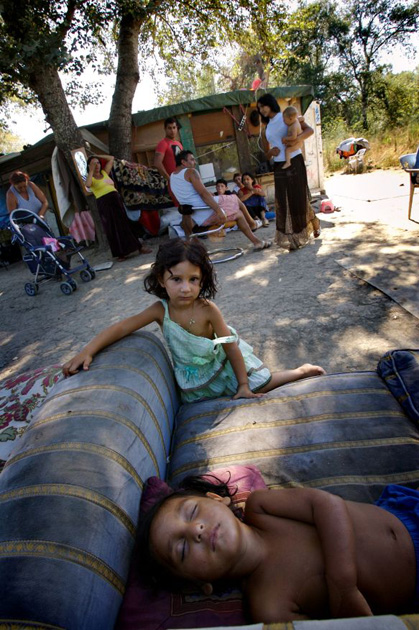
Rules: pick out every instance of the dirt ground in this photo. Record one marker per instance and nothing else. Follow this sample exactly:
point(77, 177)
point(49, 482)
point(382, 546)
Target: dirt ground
point(293, 307)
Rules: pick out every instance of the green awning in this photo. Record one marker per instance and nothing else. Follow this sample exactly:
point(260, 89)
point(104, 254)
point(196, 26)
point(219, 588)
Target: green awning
point(215, 102)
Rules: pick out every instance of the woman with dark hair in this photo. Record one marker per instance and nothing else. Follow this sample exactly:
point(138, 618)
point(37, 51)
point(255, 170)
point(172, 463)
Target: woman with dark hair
point(295, 218)
point(26, 195)
point(111, 209)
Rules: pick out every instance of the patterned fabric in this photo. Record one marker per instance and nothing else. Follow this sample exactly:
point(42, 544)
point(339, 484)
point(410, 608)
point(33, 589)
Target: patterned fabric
point(70, 492)
point(141, 187)
point(20, 397)
point(344, 433)
point(400, 371)
point(201, 367)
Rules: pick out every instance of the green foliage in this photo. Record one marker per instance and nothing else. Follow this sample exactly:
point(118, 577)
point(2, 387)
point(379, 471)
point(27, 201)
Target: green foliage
point(9, 143)
point(39, 33)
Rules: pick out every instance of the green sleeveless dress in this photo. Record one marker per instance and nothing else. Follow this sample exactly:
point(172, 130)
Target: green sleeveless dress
point(201, 367)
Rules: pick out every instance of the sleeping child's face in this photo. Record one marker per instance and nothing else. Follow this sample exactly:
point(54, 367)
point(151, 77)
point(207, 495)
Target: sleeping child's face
point(197, 538)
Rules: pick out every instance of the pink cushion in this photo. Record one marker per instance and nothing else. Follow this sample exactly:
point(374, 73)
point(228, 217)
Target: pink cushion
point(145, 607)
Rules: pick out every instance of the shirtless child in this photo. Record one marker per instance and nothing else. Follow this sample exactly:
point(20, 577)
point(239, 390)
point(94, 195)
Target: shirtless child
point(299, 553)
point(290, 118)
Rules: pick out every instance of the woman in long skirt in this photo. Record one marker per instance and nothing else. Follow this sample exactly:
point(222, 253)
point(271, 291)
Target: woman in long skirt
point(295, 217)
point(111, 210)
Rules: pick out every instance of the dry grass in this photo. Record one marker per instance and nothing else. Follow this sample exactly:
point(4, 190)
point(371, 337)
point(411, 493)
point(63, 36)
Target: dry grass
point(386, 146)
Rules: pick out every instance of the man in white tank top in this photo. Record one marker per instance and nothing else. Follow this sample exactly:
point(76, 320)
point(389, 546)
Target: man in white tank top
point(188, 188)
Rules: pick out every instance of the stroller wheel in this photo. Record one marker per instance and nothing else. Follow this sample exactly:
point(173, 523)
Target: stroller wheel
point(31, 288)
point(72, 283)
point(86, 275)
point(66, 288)
point(92, 273)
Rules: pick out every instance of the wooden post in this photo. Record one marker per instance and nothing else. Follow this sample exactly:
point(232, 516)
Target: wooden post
point(243, 149)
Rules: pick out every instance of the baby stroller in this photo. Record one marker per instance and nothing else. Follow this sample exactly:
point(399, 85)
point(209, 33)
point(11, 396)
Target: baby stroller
point(48, 258)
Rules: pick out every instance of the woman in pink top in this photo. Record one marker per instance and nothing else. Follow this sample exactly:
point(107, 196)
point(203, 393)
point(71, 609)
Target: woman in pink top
point(112, 210)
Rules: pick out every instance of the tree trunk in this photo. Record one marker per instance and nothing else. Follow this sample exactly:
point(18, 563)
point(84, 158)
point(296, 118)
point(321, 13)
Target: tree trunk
point(49, 90)
point(127, 77)
point(364, 104)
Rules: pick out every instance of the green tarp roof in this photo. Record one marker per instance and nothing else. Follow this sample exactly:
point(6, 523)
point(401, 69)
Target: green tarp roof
point(207, 103)
point(218, 101)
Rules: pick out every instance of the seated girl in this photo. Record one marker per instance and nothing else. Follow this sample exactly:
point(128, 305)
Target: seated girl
point(210, 360)
point(299, 553)
point(253, 197)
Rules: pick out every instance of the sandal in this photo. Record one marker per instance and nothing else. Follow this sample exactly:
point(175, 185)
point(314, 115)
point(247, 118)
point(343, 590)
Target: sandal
point(258, 224)
point(265, 223)
point(263, 245)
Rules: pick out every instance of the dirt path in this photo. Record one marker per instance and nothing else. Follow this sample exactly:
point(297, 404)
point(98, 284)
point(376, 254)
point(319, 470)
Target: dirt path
point(292, 307)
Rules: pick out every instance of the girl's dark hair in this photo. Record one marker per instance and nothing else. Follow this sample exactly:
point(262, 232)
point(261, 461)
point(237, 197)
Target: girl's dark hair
point(252, 177)
point(268, 100)
point(150, 567)
point(173, 252)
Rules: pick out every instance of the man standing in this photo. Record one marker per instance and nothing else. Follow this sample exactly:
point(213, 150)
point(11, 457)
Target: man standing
point(167, 149)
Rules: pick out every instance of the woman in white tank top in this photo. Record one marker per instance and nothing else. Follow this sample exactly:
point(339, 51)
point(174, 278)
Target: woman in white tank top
point(295, 217)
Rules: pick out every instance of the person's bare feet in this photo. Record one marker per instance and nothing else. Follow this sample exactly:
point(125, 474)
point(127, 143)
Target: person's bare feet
point(307, 369)
point(146, 250)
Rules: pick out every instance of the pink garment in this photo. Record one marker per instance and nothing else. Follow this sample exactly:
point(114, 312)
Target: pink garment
point(82, 227)
point(230, 205)
point(47, 240)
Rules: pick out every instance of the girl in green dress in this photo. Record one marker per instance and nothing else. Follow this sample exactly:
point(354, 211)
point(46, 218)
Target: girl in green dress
point(209, 358)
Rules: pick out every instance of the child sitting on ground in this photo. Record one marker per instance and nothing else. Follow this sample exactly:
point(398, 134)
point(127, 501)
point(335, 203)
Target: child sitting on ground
point(299, 553)
point(290, 117)
point(209, 358)
point(253, 197)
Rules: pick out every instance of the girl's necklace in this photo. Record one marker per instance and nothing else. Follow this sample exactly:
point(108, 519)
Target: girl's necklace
point(191, 321)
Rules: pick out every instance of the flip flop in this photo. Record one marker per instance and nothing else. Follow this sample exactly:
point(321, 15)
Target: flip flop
point(263, 245)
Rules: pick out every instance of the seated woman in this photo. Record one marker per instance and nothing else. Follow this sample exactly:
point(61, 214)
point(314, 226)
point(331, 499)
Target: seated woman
point(253, 197)
point(26, 195)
